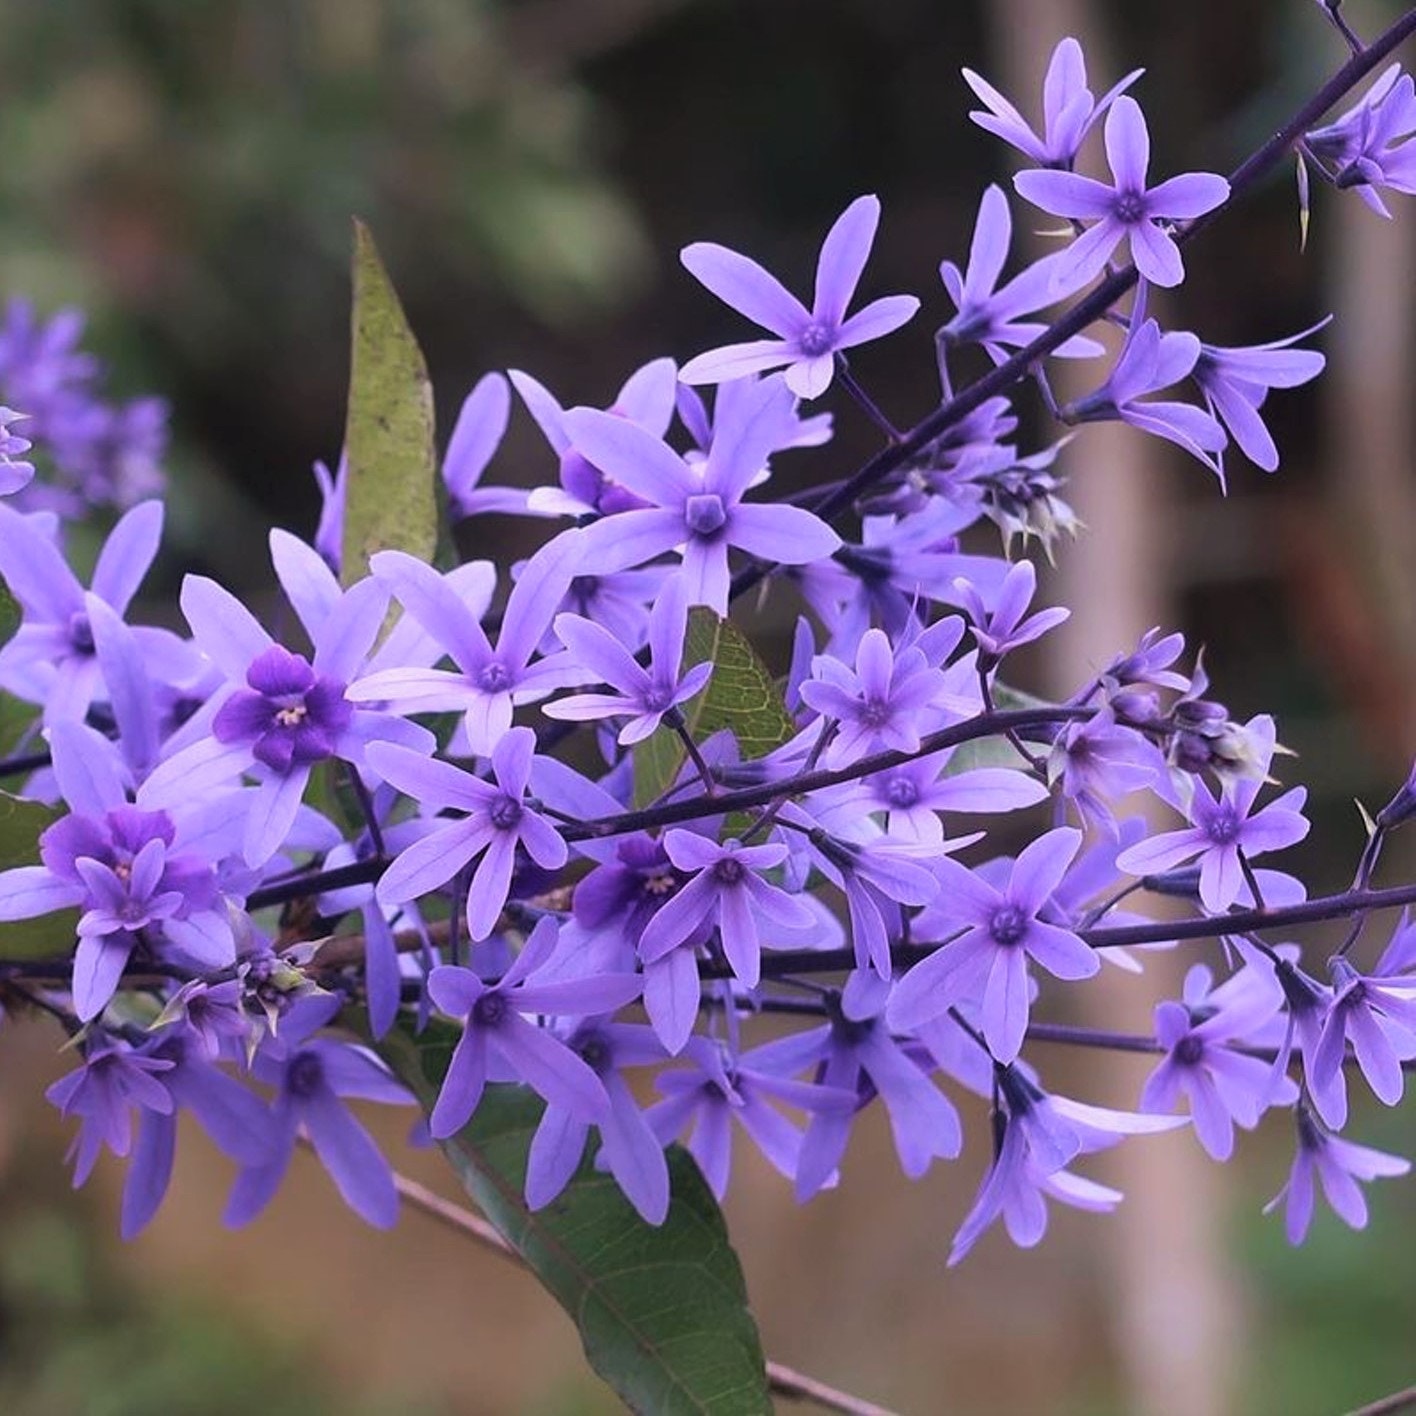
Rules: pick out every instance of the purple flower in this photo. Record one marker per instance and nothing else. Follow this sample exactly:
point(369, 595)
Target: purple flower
point(313, 1076)
point(1339, 1165)
point(1000, 628)
point(807, 340)
point(102, 1092)
point(278, 714)
point(1221, 1084)
point(51, 659)
point(697, 507)
point(1235, 382)
point(1149, 361)
point(495, 1030)
point(1369, 146)
point(1097, 761)
point(645, 695)
point(879, 704)
point(727, 891)
point(989, 317)
point(646, 399)
point(1002, 930)
point(238, 1122)
point(126, 868)
point(1037, 1135)
point(877, 876)
point(716, 1091)
point(1068, 108)
point(1221, 827)
point(854, 1052)
point(497, 821)
point(489, 681)
point(13, 474)
point(629, 1149)
point(915, 793)
point(1125, 209)
point(480, 427)
point(1376, 1012)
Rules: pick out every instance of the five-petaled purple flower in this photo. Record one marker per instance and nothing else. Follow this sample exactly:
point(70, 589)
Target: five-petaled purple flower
point(1001, 931)
point(494, 1031)
point(1068, 109)
point(498, 819)
point(644, 695)
point(807, 340)
point(697, 506)
point(1126, 209)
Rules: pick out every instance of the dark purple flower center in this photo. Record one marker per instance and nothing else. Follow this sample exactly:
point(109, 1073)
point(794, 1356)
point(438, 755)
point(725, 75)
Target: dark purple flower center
point(595, 1053)
point(729, 871)
point(489, 1010)
point(305, 1075)
point(875, 712)
point(704, 514)
point(494, 677)
point(1008, 925)
point(1189, 1050)
point(505, 812)
point(658, 696)
point(81, 632)
point(1223, 826)
point(291, 716)
point(901, 791)
point(1130, 207)
point(815, 340)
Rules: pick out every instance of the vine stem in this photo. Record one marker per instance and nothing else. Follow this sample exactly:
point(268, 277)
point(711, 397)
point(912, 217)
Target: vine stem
point(784, 1381)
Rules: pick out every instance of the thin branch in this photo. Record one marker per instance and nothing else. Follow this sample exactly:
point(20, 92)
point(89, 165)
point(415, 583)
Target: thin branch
point(784, 1380)
point(1404, 1400)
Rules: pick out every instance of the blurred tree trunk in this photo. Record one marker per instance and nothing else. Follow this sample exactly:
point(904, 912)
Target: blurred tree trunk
point(1174, 1305)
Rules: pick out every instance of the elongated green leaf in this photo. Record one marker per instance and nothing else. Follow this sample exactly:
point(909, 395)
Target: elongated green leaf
point(21, 823)
point(662, 1311)
point(390, 499)
point(741, 696)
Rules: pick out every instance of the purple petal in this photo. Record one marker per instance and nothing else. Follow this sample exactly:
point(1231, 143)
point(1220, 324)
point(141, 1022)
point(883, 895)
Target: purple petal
point(737, 361)
point(671, 995)
point(127, 554)
point(554, 1156)
point(1187, 196)
point(550, 1068)
point(462, 1086)
point(538, 593)
point(481, 425)
point(1157, 257)
point(789, 534)
point(1127, 145)
point(355, 1164)
point(1005, 1004)
point(844, 253)
point(744, 285)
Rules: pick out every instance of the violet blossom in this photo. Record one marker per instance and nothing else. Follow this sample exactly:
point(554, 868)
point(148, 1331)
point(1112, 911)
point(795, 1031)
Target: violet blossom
point(807, 340)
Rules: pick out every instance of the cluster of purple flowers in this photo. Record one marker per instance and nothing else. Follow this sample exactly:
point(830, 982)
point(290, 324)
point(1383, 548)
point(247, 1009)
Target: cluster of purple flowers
point(403, 781)
point(94, 452)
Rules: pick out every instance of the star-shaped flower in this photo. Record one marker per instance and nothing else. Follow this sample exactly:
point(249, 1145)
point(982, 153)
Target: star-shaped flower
point(807, 340)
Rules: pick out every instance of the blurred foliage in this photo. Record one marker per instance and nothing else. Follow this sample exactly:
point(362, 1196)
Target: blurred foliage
point(76, 1341)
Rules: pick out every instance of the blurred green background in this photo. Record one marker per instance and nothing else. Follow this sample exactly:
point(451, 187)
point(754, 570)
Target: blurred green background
point(185, 170)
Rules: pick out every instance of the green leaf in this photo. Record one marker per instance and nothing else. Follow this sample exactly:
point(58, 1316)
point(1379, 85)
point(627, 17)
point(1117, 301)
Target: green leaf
point(9, 614)
point(391, 499)
point(662, 1311)
point(50, 936)
point(741, 696)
